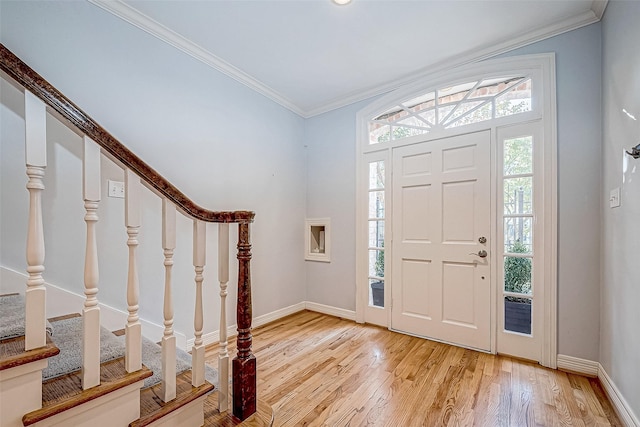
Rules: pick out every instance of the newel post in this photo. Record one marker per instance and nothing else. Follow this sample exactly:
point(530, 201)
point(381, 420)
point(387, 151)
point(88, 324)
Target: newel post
point(244, 364)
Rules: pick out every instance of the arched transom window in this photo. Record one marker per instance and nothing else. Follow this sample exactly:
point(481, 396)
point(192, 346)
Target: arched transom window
point(453, 106)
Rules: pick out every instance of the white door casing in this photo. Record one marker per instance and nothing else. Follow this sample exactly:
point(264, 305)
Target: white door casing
point(441, 287)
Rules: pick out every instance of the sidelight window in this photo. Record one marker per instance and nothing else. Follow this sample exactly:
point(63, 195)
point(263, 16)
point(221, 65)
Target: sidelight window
point(518, 224)
point(376, 233)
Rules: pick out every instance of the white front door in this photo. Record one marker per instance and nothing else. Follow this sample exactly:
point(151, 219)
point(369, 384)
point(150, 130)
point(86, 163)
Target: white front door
point(441, 239)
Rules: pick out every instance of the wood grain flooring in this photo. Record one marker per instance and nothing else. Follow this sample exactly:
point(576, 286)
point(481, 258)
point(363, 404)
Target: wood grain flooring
point(319, 370)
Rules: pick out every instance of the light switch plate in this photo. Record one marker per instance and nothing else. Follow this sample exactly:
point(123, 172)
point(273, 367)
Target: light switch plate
point(614, 198)
point(116, 189)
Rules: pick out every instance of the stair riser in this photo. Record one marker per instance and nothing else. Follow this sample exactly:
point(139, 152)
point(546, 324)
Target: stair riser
point(117, 409)
point(191, 415)
point(20, 392)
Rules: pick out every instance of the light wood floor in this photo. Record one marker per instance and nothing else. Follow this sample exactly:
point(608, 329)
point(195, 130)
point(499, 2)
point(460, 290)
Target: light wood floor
point(317, 370)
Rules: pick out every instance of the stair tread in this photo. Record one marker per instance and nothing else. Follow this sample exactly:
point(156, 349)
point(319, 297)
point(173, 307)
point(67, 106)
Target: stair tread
point(64, 317)
point(12, 352)
point(153, 408)
point(65, 392)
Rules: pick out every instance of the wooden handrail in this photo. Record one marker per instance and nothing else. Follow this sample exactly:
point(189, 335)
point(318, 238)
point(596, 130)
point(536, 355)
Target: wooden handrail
point(29, 79)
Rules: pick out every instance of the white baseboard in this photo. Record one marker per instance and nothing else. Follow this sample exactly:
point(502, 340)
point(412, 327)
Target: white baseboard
point(214, 337)
point(278, 314)
point(624, 411)
point(577, 365)
point(61, 302)
point(595, 369)
point(332, 311)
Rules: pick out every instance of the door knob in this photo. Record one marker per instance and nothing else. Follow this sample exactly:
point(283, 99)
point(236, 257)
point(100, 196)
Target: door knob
point(481, 253)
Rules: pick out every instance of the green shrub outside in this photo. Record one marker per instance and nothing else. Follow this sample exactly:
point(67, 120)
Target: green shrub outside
point(517, 271)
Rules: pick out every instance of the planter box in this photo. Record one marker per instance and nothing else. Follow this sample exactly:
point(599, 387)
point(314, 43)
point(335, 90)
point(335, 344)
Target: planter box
point(377, 291)
point(517, 316)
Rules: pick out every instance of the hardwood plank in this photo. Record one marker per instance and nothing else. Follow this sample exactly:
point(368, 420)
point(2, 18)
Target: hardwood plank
point(315, 369)
point(262, 418)
point(599, 394)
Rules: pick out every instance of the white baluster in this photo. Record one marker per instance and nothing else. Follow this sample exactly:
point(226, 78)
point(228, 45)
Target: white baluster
point(199, 255)
point(91, 310)
point(223, 354)
point(36, 161)
point(168, 340)
point(133, 329)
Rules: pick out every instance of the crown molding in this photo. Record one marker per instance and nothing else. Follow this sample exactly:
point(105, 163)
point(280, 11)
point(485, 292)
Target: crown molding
point(156, 29)
point(145, 23)
point(598, 7)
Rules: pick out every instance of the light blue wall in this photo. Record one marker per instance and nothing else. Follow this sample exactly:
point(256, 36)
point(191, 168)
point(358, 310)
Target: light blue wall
point(224, 145)
point(331, 188)
point(331, 142)
point(620, 313)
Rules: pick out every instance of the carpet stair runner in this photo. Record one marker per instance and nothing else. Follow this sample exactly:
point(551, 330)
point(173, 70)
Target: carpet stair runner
point(67, 333)
point(62, 381)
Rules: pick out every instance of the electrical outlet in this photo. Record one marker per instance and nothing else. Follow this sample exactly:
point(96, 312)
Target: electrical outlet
point(614, 198)
point(116, 189)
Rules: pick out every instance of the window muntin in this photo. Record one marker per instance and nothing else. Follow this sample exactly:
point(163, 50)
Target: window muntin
point(454, 106)
point(376, 214)
point(518, 195)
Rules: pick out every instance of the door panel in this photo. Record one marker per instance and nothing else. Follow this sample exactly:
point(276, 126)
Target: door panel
point(458, 211)
point(415, 296)
point(419, 164)
point(459, 294)
point(416, 203)
point(441, 207)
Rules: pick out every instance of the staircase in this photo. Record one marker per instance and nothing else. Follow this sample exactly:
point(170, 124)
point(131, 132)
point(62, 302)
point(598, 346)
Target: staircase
point(112, 392)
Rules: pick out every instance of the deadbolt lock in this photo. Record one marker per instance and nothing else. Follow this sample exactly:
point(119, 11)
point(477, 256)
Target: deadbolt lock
point(482, 239)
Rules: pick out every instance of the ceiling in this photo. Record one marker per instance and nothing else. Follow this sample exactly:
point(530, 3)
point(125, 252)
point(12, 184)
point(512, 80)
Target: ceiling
point(312, 55)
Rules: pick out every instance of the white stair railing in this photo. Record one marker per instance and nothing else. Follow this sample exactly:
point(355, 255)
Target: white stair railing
point(223, 354)
point(168, 339)
point(199, 260)
point(91, 310)
point(133, 329)
point(36, 160)
point(40, 96)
